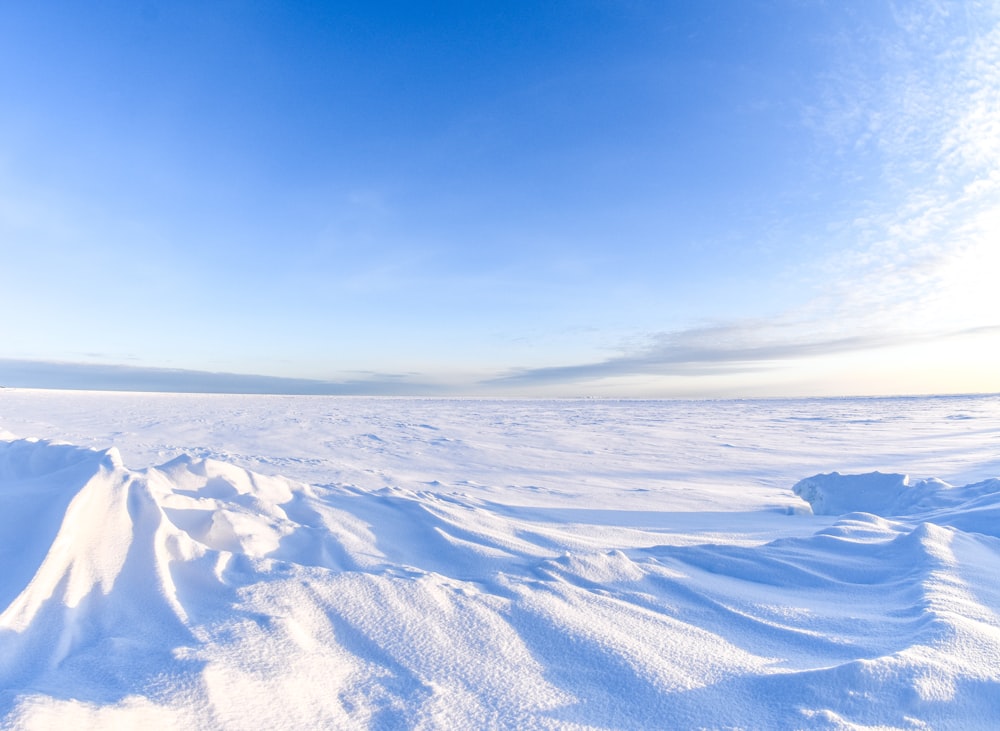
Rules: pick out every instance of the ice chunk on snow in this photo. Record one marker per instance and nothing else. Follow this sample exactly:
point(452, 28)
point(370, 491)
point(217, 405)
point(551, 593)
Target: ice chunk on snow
point(878, 493)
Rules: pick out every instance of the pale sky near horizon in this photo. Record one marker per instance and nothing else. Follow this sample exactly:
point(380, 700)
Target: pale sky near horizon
point(602, 197)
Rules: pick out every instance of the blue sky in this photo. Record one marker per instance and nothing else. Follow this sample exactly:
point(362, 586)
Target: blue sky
point(600, 197)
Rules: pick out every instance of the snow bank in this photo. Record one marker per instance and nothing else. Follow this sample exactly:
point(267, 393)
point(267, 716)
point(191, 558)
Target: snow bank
point(973, 508)
point(881, 494)
point(203, 595)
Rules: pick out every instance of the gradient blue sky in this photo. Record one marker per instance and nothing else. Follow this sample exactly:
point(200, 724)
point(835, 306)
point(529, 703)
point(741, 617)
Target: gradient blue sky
point(599, 197)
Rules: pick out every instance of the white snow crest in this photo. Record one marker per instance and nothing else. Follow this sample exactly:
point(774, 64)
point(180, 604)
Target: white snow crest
point(974, 507)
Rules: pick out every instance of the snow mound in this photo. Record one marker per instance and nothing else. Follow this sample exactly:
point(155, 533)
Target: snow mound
point(973, 507)
point(877, 493)
point(202, 595)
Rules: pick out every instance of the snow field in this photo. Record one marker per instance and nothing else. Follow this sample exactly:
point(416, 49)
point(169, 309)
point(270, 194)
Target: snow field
point(475, 564)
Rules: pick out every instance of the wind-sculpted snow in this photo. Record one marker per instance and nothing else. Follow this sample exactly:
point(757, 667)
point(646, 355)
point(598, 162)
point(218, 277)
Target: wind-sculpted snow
point(199, 594)
point(974, 508)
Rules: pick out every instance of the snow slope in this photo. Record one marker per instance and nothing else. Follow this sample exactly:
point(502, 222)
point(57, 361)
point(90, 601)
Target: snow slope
point(467, 564)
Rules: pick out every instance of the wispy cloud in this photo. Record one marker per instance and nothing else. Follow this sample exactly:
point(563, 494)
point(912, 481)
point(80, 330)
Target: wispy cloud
point(915, 263)
point(731, 348)
point(914, 256)
point(88, 376)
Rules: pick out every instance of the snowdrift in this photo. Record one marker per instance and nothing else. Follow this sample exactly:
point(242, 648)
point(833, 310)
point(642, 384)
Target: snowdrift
point(199, 594)
point(972, 508)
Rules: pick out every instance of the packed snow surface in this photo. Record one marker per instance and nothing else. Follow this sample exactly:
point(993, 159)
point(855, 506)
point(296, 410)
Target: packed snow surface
point(227, 562)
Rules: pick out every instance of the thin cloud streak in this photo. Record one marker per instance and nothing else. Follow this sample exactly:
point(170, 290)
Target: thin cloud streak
point(717, 349)
point(93, 377)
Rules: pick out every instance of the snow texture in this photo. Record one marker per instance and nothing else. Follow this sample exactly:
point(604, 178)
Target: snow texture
point(288, 563)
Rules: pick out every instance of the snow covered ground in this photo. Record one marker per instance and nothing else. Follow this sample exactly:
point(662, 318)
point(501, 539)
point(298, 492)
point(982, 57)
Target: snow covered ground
point(182, 561)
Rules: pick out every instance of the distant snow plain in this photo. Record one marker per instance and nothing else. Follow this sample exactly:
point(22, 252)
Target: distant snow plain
point(278, 562)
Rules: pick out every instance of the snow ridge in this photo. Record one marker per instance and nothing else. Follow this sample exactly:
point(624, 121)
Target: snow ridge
point(199, 594)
